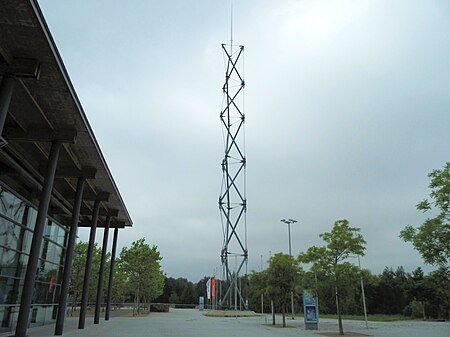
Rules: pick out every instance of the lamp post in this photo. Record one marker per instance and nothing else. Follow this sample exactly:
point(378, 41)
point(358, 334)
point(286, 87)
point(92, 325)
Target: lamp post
point(362, 290)
point(262, 295)
point(289, 222)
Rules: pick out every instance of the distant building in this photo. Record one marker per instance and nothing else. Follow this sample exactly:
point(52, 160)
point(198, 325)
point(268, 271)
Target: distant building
point(48, 152)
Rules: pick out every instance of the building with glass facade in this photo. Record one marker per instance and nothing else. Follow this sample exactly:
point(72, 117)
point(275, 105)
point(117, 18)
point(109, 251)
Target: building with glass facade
point(17, 220)
point(53, 179)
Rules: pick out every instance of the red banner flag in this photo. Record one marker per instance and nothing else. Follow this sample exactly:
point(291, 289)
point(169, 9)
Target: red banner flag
point(213, 287)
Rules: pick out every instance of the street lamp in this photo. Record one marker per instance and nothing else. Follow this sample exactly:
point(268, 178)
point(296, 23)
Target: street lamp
point(289, 222)
point(362, 290)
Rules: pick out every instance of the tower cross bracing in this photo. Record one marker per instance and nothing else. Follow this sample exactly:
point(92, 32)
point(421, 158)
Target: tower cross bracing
point(232, 200)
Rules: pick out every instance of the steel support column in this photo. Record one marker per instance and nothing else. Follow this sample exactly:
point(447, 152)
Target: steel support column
point(88, 268)
point(6, 91)
point(28, 286)
point(111, 274)
point(101, 272)
point(69, 258)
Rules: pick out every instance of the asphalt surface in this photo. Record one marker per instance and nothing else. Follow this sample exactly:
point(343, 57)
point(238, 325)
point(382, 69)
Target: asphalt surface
point(192, 323)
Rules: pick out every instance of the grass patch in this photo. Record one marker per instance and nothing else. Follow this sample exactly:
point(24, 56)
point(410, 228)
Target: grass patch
point(336, 334)
point(372, 318)
point(279, 325)
point(142, 314)
point(230, 313)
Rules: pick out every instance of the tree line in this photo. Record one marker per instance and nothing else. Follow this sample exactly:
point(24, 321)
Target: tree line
point(181, 292)
point(392, 292)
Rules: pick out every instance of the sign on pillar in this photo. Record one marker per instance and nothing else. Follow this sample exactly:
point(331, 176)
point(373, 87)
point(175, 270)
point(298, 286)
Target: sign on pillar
point(201, 303)
point(310, 310)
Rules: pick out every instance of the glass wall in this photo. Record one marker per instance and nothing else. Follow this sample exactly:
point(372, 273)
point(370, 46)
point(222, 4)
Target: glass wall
point(17, 220)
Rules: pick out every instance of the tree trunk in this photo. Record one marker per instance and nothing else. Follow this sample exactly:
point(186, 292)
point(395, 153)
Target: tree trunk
point(138, 301)
point(423, 310)
point(341, 328)
point(273, 312)
point(283, 306)
point(74, 303)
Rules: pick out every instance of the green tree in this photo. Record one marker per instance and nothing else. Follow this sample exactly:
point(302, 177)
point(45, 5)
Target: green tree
point(188, 293)
point(342, 242)
point(418, 290)
point(350, 294)
point(432, 238)
point(142, 269)
point(78, 266)
point(281, 277)
point(438, 282)
point(257, 288)
point(392, 289)
point(200, 287)
point(178, 291)
point(173, 298)
point(78, 269)
point(123, 291)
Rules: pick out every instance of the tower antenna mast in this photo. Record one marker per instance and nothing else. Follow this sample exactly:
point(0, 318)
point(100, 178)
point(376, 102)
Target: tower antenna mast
point(231, 27)
point(232, 199)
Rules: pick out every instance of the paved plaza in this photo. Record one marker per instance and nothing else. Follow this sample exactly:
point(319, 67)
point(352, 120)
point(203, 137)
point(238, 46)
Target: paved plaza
point(192, 323)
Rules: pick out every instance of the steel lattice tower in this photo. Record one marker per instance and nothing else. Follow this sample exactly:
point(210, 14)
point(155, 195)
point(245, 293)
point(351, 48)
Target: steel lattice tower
point(232, 200)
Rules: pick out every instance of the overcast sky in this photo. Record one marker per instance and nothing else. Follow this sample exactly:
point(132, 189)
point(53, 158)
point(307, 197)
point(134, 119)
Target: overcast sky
point(347, 110)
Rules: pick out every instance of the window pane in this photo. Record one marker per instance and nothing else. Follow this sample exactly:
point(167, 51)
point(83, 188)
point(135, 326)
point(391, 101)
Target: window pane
point(53, 253)
point(44, 293)
point(55, 232)
point(9, 233)
point(8, 262)
point(59, 235)
point(31, 221)
point(47, 272)
point(12, 264)
point(10, 290)
point(11, 206)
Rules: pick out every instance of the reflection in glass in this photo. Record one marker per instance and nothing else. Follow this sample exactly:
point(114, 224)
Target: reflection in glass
point(17, 221)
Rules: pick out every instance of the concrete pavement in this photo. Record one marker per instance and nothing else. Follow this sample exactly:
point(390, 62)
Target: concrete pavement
point(192, 323)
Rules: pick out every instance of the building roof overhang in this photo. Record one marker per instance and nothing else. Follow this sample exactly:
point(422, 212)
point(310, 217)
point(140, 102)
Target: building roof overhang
point(45, 108)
